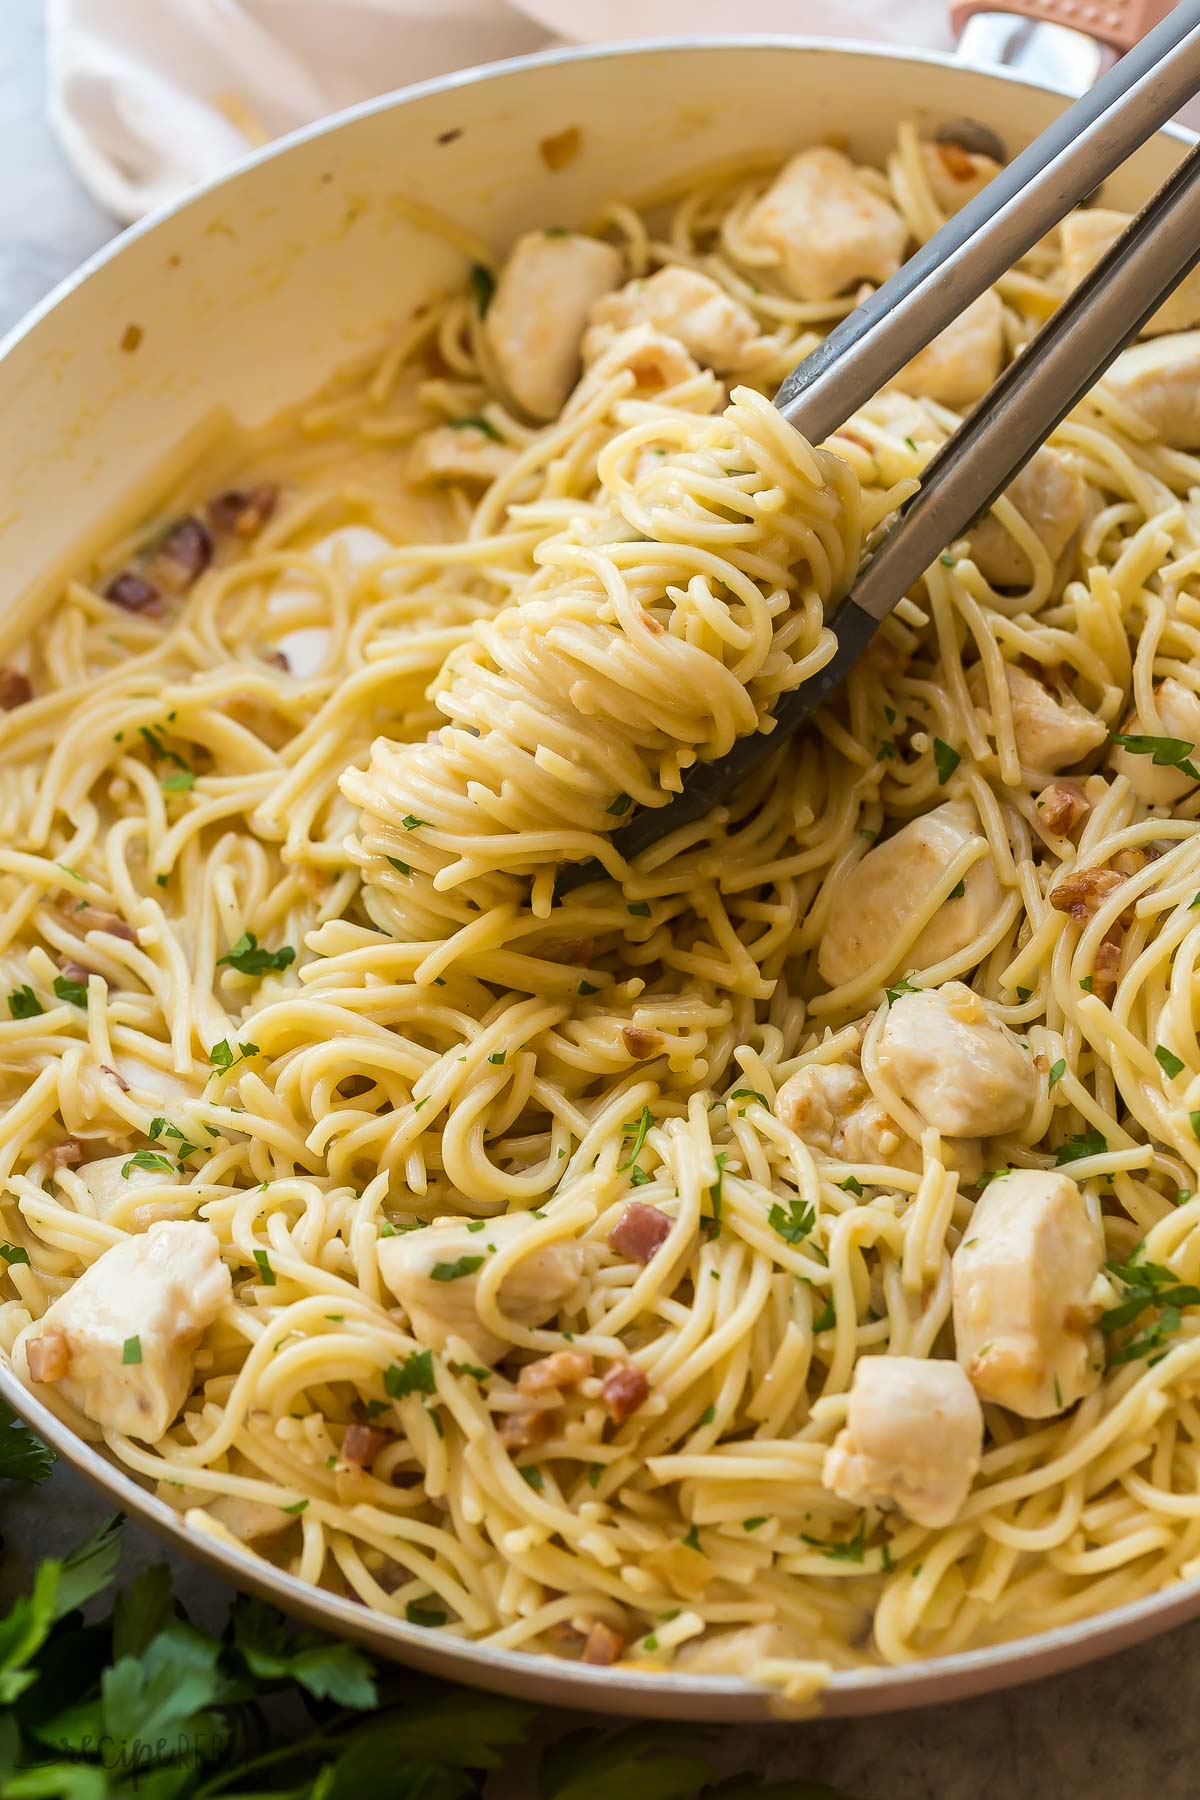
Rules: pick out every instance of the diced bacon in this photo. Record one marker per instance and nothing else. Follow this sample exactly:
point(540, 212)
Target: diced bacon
point(76, 971)
point(362, 1444)
point(15, 689)
point(639, 1232)
point(570, 950)
point(66, 1155)
point(184, 554)
point(48, 1356)
point(133, 593)
point(623, 1390)
point(604, 1645)
point(562, 1369)
point(90, 918)
point(107, 1069)
point(244, 511)
point(520, 1431)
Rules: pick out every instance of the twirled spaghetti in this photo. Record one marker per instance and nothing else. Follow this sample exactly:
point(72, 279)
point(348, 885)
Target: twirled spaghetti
point(283, 801)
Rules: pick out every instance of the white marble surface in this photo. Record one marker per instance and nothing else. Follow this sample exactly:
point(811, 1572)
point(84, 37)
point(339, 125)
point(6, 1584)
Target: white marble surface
point(1126, 1729)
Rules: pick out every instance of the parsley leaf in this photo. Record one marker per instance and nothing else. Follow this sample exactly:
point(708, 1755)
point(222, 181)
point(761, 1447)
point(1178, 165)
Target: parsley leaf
point(1057, 1071)
point(476, 422)
point(264, 1268)
point(1147, 1287)
point(710, 1222)
point(901, 987)
point(23, 1003)
point(620, 805)
point(75, 992)
point(148, 1159)
point(1086, 1143)
point(454, 1271)
point(131, 1351)
point(1170, 1064)
point(1164, 752)
point(794, 1224)
point(946, 759)
point(249, 958)
point(483, 286)
point(413, 1376)
point(637, 1129)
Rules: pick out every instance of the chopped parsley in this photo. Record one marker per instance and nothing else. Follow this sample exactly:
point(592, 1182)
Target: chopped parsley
point(843, 1550)
point(402, 868)
point(828, 1318)
point(901, 987)
point(795, 1223)
point(296, 1509)
point(851, 1185)
point(1057, 1071)
point(249, 957)
point(753, 1524)
point(946, 560)
point(413, 1376)
point(131, 1351)
point(477, 422)
point(710, 1222)
point(692, 1540)
point(958, 891)
point(1024, 994)
point(429, 1616)
point(454, 1271)
point(180, 781)
point(1086, 1143)
point(483, 286)
point(636, 1129)
point(497, 1056)
point(147, 1159)
point(1165, 752)
point(620, 805)
point(1148, 1287)
point(588, 987)
point(264, 1268)
point(411, 822)
point(74, 992)
point(707, 1416)
point(23, 1003)
point(1170, 1064)
point(1086, 984)
point(946, 759)
point(533, 1476)
point(749, 1094)
point(13, 1253)
point(224, 1055)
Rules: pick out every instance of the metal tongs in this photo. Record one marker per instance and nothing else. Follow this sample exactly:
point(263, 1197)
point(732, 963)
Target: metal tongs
point(1071, 351)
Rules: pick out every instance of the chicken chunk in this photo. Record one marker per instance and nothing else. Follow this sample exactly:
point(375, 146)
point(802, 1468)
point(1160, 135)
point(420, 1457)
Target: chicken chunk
point(880, 895)
point(1052, 730)
point(913, 1439)
point(1028, 1290)
point(714, 327)
point(132, 1324)
point(956, 174)
point(535, 323)
point(1087, 234)
point(460, 452)
point(1160, 784)
point(1159, 381)
point(655, 360)
point(831, 1107)
point(738, 1652)
point(966, 1075)
point(108, 1185)
point(825, 227)
point(434, 1274)
point(959, 365)
point(1049, 494)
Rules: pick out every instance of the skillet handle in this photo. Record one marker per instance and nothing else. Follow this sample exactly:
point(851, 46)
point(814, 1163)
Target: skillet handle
point(1066, 43)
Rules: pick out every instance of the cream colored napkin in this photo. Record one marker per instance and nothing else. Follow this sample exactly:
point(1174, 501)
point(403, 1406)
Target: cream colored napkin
point(150, 96)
